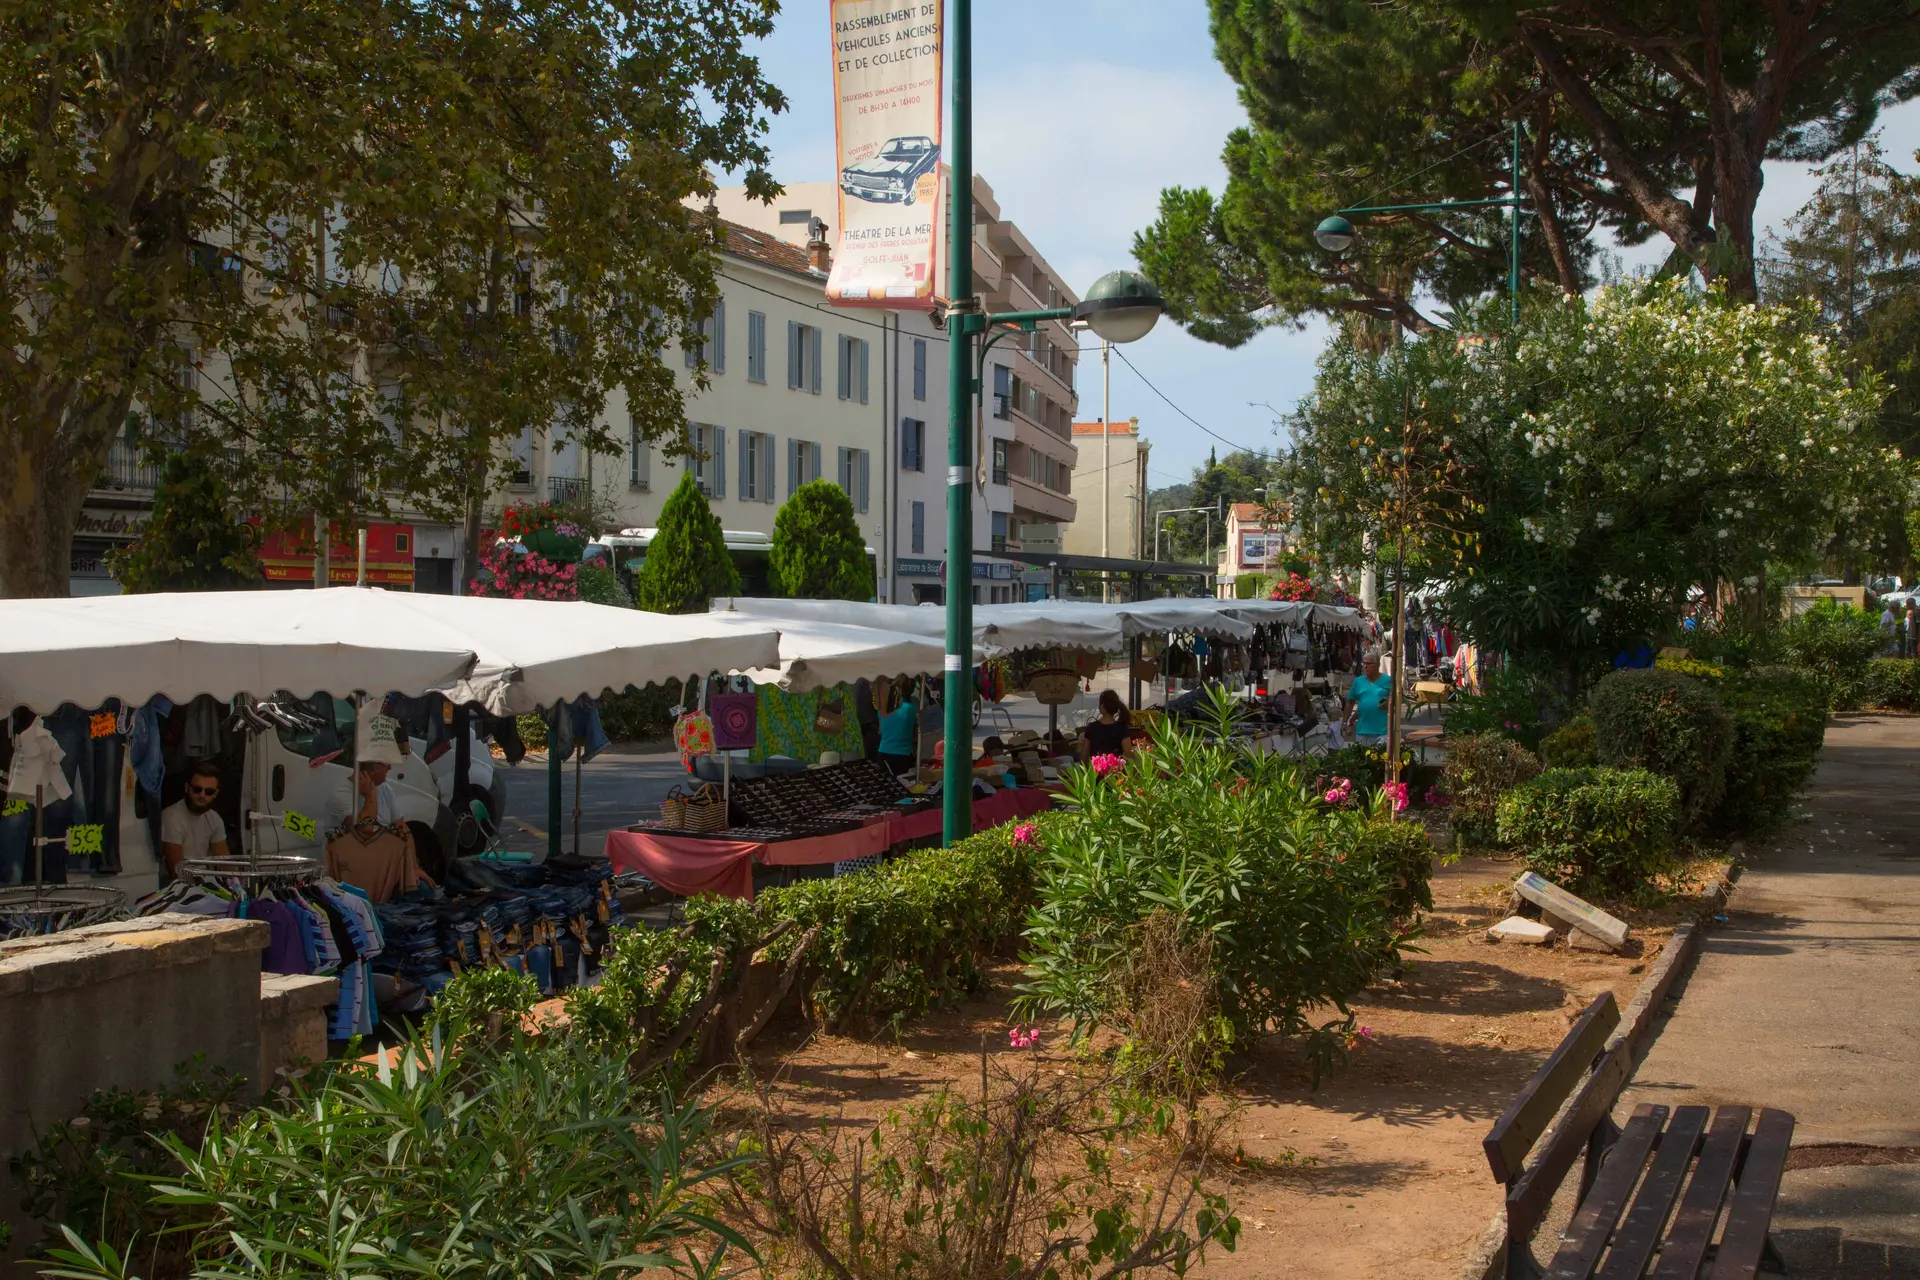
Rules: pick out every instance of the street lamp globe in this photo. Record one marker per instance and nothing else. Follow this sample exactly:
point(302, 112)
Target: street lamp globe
point(1122, 306)
point(1335, 234)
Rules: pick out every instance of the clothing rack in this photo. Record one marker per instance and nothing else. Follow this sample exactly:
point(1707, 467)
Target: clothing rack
point(41, 908)
point(254, 869)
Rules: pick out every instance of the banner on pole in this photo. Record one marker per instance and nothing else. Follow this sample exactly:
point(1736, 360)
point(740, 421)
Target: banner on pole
point(886, 95)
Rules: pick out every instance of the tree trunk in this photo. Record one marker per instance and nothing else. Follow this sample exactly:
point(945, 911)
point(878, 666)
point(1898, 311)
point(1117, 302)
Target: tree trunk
point(50, 469)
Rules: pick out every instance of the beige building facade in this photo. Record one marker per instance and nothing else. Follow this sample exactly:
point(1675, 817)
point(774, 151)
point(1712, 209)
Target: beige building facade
point(1111, 520)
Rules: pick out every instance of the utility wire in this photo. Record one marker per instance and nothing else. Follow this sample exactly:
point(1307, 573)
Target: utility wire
point(1177, 409)
point(1401, 181)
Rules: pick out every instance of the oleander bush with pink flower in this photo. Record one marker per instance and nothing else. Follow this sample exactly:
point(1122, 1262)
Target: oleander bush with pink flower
point(1305, 899)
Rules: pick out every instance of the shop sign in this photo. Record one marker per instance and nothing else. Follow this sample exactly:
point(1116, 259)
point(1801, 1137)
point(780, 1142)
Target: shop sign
point(918, 568)
point(96, 522)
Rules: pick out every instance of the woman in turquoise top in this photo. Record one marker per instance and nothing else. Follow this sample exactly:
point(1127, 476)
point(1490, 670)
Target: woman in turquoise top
point(896, 737)
point(1367, 703)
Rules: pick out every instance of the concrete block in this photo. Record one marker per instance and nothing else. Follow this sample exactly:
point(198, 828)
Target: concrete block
point(1520, 929)
point(1583, 914)
point(293, 1022)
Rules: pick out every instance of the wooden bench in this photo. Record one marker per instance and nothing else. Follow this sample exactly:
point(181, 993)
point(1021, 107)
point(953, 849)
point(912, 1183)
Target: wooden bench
point(1625, 1224)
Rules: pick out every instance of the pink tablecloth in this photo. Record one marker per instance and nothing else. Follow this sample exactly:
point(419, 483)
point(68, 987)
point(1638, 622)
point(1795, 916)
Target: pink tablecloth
point(688, 865)
point(1001, 806)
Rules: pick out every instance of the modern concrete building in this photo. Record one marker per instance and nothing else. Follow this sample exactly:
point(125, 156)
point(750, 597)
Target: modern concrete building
point(1112, 491)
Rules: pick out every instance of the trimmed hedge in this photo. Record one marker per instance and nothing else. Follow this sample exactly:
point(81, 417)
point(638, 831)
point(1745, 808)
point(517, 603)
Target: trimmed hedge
point(1570, 746)
point(1480, 769)
point(1779, 721)
point(1670, 724)
point(1893, 683)
point(1594, 829)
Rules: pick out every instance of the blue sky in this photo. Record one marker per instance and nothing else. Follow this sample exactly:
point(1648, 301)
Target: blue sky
point(1083, 111)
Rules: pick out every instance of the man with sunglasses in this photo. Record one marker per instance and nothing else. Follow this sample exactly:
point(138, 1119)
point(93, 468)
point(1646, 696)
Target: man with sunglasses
point(189, 828)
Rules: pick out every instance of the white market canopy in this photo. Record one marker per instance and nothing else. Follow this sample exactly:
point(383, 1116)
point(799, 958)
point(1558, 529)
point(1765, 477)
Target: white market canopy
point(817, 655)
point(1067, 624)
point(508, 655)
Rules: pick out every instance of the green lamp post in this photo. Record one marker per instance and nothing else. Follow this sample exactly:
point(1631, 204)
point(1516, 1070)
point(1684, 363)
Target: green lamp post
point(1336, 234)
point(1122, 306)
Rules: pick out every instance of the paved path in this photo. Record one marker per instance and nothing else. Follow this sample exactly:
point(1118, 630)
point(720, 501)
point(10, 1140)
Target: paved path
point(1808, 999)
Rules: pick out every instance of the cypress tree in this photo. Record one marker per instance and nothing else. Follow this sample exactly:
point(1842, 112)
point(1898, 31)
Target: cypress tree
point(818, 553)
point(687, 564)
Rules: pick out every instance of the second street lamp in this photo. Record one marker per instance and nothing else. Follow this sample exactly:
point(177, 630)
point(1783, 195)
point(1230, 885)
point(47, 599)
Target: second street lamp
point(1336, 233)
point(1122, 306)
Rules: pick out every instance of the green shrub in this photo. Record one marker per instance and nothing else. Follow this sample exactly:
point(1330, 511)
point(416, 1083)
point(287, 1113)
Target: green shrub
point(1670, 724)
point(1779, 721)
point(599, 584)
point(1480, 769)
point(1570, 746)
point(818, 552)
point(1404, 857)
point(1835, 642)
point(1893, 683)
point(914, 933)
point(1507, 706)
point(1362, 765)
point(687, 562)
point(1606, 830)
point(1304, 905)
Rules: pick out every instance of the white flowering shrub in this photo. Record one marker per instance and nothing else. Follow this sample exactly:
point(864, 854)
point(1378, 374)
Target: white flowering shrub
point(1586, 467)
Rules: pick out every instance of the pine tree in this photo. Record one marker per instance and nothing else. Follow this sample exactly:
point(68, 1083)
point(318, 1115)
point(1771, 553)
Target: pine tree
point(818, 553)
point(687, 563)
point(193, 542)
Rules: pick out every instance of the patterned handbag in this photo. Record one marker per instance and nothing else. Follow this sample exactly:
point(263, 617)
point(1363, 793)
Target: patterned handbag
point(831, 717)
point(693, 734)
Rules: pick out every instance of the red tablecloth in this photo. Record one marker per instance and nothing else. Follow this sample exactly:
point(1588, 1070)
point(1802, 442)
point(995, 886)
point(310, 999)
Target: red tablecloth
point(1001, 806)
point(687, 865)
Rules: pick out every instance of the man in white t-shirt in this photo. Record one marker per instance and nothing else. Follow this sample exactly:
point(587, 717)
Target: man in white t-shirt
point(189, 828)
point(364, 796)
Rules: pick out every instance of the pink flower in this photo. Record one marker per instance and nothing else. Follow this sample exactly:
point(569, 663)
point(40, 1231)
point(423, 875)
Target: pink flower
point(1026, 833)
point(1027, 1038)
point(1340, 792)
point(1366, 1033)
point(1398, 792)
point(1104, 765)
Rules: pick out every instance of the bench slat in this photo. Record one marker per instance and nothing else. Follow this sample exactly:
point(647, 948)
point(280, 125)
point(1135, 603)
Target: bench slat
point(1699, 1211)
point(1515, 1132)
point(1529, 1198)
point(1640, 1232)
point(1593, 1221)
point(1754, 1193)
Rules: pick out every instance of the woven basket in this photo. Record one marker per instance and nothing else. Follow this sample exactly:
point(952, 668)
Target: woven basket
point(706, 809)
point(673, 810)
point(1053, 686)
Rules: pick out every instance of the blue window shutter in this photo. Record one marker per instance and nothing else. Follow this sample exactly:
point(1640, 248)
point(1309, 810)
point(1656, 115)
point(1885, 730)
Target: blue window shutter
point(719, 462)
point(813, 346)
point(747, 476)
point(919, 527)
point(767, 469)
point(720, 336)
point(813, 461)
point(794, 355)
point(793, 466)
point(919, 368)
point(864, 462)
point(866, 350)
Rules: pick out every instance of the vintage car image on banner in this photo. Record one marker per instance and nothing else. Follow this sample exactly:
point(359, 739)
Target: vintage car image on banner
point(886, 89)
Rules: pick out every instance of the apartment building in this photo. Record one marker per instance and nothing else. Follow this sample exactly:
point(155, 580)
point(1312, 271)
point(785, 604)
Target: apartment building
point(797, 391)
point(1111, 520)
point(1023, 445)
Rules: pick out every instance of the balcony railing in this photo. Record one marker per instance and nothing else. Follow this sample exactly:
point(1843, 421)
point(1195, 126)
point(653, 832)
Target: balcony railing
point(127, 469)
point(566, 489)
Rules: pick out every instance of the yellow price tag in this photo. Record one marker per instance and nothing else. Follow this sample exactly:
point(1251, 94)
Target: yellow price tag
point(300, 825)
point(86, 837)
point(13, 807)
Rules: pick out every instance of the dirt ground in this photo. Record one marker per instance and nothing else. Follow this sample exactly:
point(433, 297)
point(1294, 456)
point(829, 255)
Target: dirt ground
point(1379, 1172)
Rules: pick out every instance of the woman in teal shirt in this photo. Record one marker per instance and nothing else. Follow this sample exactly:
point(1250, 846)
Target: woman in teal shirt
point(897, 728)
point(1367, 703)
